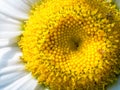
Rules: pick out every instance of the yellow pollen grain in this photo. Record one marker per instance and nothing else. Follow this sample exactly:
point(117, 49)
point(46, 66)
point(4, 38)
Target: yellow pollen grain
point(72, 44)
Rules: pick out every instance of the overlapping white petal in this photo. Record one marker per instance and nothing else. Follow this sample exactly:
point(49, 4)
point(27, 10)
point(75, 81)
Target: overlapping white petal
point(8, 42)
point(12, 14)
point(10, 20)
point(26, 82)
point(12, 72)
point(9, 56)
point(13, 9)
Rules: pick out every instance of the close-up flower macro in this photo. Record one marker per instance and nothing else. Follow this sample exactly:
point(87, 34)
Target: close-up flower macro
point(59, 44)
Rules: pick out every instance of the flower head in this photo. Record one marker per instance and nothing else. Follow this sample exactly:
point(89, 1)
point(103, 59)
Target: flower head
point(71, 44)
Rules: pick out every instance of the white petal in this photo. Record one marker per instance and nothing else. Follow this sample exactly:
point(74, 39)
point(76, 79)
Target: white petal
point(9, 32)
point(9, 35)
point(9, 56)
point(16, 9)
point(24, 83)
point(12, 14)
point(10, 74)
point(19, 5)
point(12, 71)
point(9, 25)
point(30, 84)
point(10, 11)
point(8, 42)
point(6, 20)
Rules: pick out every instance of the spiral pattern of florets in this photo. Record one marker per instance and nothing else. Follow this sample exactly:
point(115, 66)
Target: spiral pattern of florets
point(72, 44)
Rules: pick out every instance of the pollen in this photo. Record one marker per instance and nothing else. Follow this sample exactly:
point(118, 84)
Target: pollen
point(72, 44)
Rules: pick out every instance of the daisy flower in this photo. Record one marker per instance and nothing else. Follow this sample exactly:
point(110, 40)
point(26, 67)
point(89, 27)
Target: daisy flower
point(59, 45)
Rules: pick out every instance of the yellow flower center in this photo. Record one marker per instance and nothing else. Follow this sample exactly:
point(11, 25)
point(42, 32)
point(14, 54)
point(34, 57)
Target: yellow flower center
point(72, 44)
